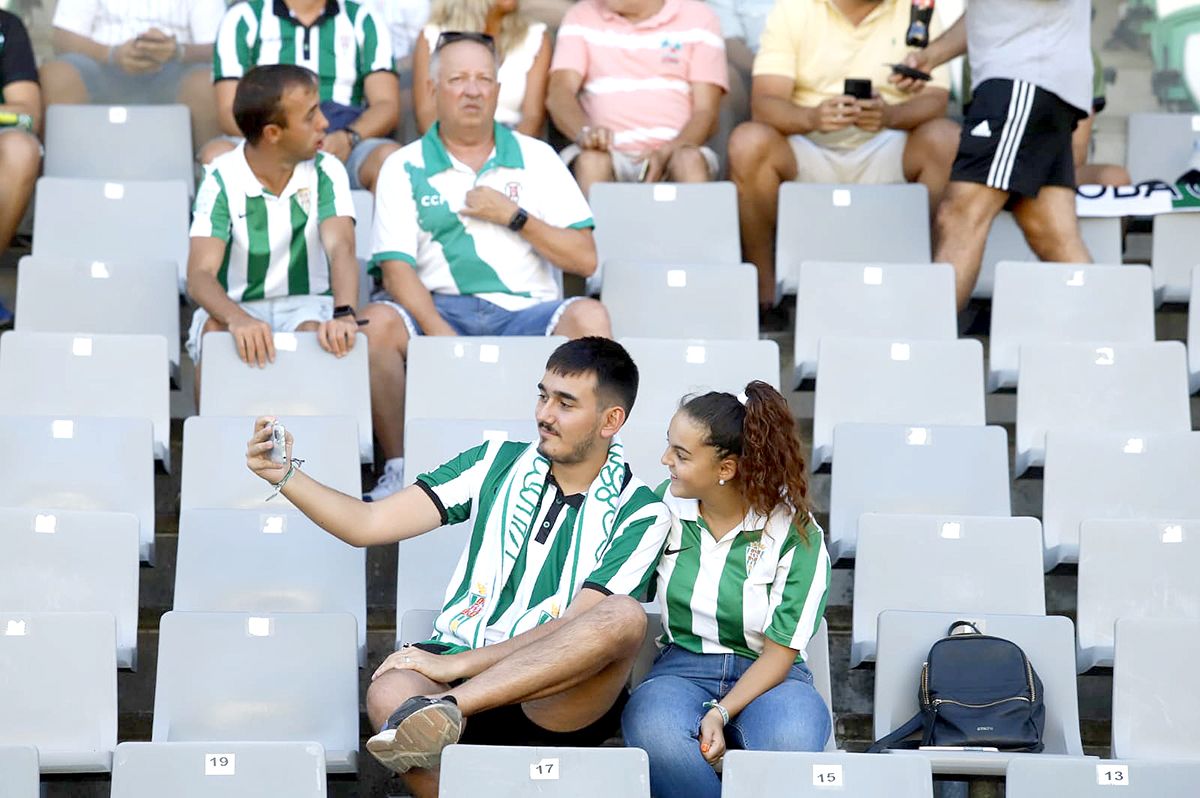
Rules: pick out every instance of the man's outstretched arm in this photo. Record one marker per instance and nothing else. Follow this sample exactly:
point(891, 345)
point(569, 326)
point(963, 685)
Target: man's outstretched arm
point(402, 515)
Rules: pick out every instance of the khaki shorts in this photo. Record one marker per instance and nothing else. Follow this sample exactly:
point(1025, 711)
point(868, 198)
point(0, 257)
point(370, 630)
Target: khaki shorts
point(880, 160)
point(284, 314)
point(628, 169)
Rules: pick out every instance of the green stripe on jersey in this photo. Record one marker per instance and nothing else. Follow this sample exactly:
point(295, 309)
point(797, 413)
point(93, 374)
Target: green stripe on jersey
point(298, 252)
point(288, 33)
point(730, 619)
point(326, 202)
point(259, 255)
point(682, 584)
point(327, 58)
point(471, 273)
point(366, 58)
point(506, 455)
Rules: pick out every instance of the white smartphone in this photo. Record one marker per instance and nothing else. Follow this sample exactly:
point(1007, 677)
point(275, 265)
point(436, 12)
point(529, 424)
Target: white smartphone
point(278, 444)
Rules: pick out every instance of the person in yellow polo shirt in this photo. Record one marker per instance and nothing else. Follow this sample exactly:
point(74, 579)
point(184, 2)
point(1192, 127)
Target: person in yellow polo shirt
point(805, 127)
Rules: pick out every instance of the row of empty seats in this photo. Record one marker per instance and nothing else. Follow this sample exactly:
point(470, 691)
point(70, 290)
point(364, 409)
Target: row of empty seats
point(250, 770)
point(148, 219)
point(225, 677)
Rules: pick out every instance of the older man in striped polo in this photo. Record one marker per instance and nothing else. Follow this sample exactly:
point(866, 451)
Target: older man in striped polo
point(637, 85)
point(273, 228)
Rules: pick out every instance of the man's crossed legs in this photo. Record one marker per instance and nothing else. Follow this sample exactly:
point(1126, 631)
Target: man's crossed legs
point(565, 676)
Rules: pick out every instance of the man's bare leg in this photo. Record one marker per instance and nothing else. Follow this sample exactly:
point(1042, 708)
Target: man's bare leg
point(387, 339)
point(565, 681)
point(20, 162)
point(383, 696)
point(1051, 226)
point(196, 92)
point(760, 159)
point(582, 318)
point(929, 155)
point(571, 677)
point(688, 165)
point(62, 83)
point(592, 166)
point(960, 232)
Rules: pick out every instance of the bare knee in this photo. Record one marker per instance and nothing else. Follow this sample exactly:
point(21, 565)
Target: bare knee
point(386, 333)
point(196, 87)
point(584, 317)
point(593, 166)
point(750, 147)
point(20, 157)
point(621, 622)
point(934, 142)
point(368, 173)
point(62, 82)
point(968, 209)
point(391, 690)
point(215, 149)
point(688, 165)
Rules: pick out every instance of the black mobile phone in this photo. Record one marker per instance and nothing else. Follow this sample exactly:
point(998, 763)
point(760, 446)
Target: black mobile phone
point(858, 88)
point(908, 72)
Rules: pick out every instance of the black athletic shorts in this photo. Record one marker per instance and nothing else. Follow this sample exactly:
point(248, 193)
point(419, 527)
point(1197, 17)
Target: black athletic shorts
point(1017, 138)
point(509, 725)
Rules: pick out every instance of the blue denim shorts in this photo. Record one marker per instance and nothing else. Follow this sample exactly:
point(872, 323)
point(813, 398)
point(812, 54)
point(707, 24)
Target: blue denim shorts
point(470, 315)
point(108, 84)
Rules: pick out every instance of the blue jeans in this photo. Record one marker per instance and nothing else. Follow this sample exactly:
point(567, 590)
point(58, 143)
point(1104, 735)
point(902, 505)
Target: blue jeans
point(470, 315)
point(664, 713)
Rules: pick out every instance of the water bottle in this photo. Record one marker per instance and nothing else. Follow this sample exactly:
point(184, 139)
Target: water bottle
point(919, 17)
point(23, 121)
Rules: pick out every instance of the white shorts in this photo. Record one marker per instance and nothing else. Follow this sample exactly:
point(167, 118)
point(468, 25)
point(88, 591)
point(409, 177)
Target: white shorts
point(284, 314)
point(628, 169)
point(880, 160)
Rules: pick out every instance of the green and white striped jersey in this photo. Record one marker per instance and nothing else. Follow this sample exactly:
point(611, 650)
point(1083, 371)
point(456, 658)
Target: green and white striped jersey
point(518, 580)
point(345, 44)
point(418, 199)
point(272, 244)
point(762, 578)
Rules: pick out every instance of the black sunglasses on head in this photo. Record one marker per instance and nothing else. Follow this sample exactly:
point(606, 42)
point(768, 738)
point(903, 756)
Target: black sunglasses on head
point(452, 36)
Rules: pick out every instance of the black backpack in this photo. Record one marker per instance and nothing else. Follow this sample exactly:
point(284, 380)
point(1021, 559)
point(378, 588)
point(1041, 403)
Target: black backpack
point(976, 691)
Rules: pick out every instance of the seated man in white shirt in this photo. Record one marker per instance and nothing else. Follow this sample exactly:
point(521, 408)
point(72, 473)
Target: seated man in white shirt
point(272, 246)
point(471, 222)
point(117, 52)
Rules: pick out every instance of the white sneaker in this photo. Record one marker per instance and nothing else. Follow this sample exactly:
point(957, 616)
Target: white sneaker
point(391, 481)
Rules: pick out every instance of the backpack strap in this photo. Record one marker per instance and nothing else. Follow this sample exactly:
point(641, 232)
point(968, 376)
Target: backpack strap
point(914, 724)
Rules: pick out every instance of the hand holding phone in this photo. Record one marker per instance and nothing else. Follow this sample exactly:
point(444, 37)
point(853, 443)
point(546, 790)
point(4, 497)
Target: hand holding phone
point(904, 70)
point(858, 88)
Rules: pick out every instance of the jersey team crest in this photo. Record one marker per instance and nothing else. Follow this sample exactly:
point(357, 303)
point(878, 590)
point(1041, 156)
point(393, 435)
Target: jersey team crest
point(475, 604)
point(754, 552)
point(549, 615)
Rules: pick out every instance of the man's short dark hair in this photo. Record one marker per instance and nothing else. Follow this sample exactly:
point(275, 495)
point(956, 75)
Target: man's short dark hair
point(616, 373)
point(260, 93)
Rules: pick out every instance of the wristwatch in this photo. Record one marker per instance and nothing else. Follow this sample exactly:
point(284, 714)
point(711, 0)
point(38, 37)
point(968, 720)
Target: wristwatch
point(355, 137)
point(344, 310)
point(518, 220)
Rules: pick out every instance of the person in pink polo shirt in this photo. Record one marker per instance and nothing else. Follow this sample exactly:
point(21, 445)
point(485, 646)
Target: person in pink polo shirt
point(637, 85)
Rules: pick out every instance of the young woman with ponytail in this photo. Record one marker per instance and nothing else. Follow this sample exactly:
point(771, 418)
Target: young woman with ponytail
point(741, 585)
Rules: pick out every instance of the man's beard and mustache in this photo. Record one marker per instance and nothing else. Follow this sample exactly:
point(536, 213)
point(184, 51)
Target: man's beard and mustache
point(577, 455)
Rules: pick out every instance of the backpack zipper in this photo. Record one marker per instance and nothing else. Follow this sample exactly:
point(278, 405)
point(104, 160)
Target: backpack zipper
point(937, 702)
point(1028, 678)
